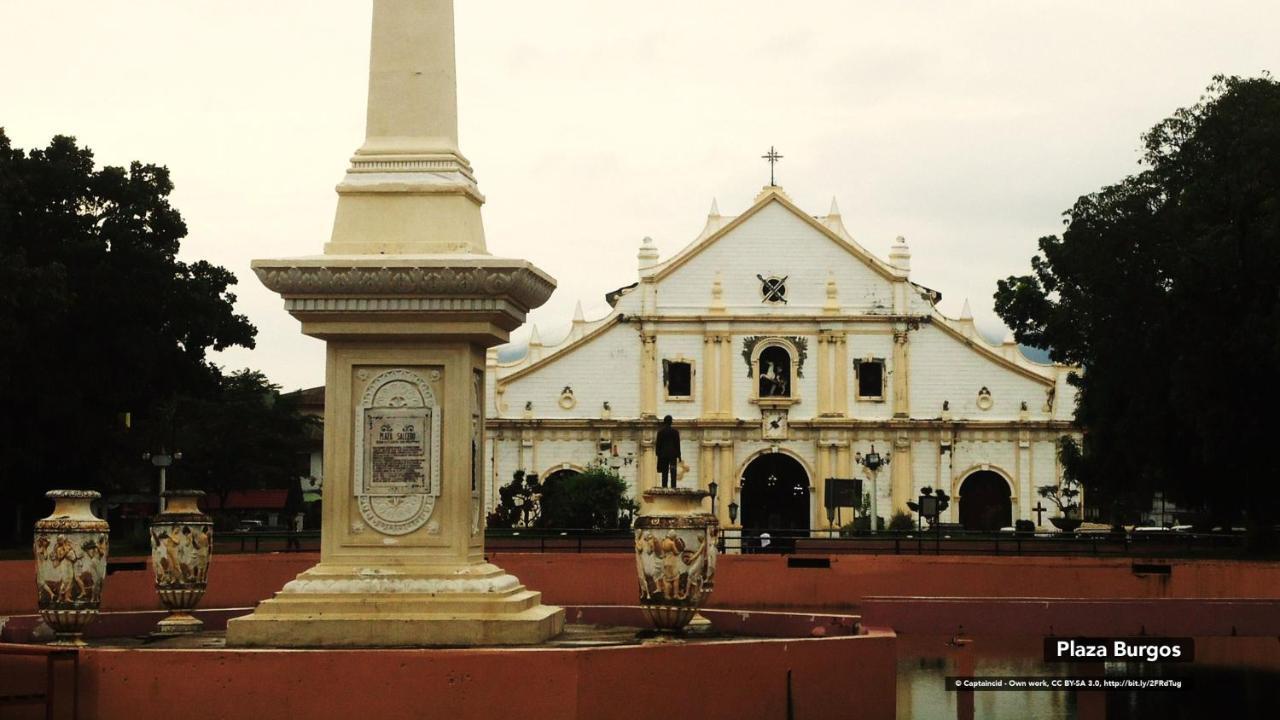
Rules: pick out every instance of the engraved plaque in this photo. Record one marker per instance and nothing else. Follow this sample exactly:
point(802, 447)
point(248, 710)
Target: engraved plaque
point(397, 471)
point(397, 457)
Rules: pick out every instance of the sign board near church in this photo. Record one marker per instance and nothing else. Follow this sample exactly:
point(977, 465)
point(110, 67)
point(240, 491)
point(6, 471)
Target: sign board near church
point(843, 492)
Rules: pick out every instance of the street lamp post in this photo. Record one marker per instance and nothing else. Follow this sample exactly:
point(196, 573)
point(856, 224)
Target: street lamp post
point(162, 460)
point(733, 520)
point(873, 461)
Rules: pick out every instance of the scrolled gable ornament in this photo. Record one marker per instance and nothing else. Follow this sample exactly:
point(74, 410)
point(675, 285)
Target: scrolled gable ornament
point(397, 468)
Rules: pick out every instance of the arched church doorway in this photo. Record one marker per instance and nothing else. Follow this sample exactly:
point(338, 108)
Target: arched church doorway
point(985, 502)
point(775, 498)
point(561, 474)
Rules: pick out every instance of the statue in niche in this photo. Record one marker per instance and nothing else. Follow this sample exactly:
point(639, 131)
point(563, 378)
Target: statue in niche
point(775, 372)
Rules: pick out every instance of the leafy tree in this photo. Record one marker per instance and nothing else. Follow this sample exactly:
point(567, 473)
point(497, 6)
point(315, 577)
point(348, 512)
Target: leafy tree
point(595, 499)
point(518, 502)
point(1165, 289)
point(99, 320)
point(1065, 495)
point(901, 521)
point(246, 435)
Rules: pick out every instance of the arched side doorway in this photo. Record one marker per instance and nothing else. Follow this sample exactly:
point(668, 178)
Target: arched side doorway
point(775, 497)
point(565, 471)
point(986, 504)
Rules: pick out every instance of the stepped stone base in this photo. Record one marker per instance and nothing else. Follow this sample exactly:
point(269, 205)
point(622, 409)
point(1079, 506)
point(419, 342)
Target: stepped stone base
point(350, 607)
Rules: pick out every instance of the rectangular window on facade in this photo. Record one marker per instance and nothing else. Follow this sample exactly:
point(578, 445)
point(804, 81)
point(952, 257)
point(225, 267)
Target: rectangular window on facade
point(870, 378)
point(677, 376)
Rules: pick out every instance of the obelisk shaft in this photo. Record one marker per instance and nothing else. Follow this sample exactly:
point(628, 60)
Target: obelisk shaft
point(409, 190)
point(413, 97)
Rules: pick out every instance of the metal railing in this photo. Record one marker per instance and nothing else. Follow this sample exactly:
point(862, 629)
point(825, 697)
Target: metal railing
point(567, 540)
point(267, 541)
point(789, 541)
point(956, 542)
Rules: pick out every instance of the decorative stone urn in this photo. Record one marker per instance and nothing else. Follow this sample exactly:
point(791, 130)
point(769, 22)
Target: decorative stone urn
point(71, 562)
point(181, 546)
point(675, 555)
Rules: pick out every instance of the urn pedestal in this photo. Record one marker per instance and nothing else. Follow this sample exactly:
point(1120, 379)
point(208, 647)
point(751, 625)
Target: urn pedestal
point(675, 555)
point(71, 563)
point(181, 547)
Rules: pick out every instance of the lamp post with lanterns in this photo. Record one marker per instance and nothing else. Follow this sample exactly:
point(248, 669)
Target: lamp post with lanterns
point(873, 461)
point(162, 460)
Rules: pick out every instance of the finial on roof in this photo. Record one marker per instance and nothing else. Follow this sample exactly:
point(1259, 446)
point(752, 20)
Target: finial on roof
point(534, 337)
point(966, 313)
point(648, 255)
point(578, 316)
point(715, 209)
point(835, 209)
point(900, 254)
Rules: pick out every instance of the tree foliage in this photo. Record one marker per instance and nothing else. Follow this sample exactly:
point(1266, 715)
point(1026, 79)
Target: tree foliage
point(1165, 289)
point(518, 502)
point(594, 499)
point(99, 319)
point(245, 435)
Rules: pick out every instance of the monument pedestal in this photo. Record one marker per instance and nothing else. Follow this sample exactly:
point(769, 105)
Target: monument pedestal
point(407, 300)
point(402, 544)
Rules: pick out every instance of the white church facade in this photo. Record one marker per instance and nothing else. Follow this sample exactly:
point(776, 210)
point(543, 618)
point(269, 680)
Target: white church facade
point(781, 369)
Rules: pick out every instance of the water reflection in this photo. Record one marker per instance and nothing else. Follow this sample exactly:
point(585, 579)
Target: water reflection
point(1231, 678)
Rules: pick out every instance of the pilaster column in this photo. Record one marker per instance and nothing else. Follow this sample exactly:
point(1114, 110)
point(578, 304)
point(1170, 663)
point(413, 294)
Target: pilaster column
point(726, 374)
point(841, 364)
point(706, 463)
point(711, 376)
point(901, 375)
point(947, 471)
point(648, 375)
point(728, 481)
point(647, 465)
point(820, 522)
point(824, 373)
point(1023, 503)
point(901, 476)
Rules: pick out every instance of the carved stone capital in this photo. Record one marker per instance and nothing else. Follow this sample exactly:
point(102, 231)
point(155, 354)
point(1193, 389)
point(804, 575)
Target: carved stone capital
point(439, 277)
point(379, 289)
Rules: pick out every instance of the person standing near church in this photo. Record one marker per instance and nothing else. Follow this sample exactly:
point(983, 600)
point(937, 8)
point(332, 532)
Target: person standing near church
point(667, 445)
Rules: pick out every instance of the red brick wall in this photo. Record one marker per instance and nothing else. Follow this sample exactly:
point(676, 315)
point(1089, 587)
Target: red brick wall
point(742, 580)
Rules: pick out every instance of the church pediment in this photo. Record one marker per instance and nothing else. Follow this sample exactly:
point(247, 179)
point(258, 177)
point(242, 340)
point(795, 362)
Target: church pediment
point(776, 259)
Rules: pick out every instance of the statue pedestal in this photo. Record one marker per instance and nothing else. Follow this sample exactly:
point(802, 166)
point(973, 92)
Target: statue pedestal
point(402, 544)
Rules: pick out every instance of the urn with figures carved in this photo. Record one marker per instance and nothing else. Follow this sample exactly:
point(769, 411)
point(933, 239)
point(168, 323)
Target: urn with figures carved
point(71, 563)
point(181, 547)
point(675, 555)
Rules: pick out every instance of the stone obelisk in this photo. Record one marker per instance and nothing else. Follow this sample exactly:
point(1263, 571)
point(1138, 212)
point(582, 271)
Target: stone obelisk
point(407, 300)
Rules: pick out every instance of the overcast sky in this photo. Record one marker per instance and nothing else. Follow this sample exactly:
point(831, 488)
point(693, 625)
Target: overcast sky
point(967, 127)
